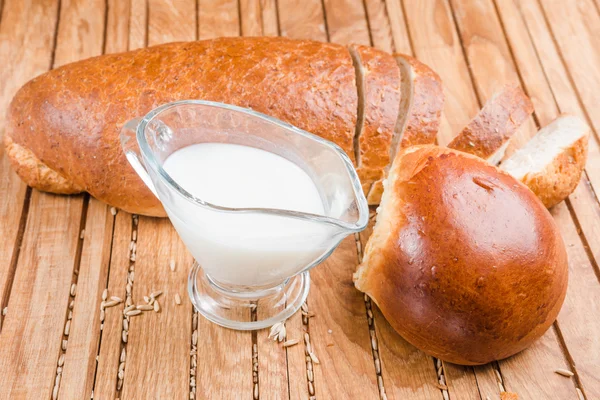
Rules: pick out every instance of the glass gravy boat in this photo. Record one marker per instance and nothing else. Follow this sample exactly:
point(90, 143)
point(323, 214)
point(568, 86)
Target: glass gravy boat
point(252, 264)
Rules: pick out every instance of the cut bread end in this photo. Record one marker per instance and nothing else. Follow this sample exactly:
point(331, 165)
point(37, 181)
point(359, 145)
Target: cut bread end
point(551, 163)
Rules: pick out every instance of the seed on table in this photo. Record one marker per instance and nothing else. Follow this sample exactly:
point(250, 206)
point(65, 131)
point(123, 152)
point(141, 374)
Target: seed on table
point(144, 307)
point(147, 299)
point(314, 358)
point(290, 342)
point(67, 328)
point(156, 306)
point(73, 289)
point(125, 324)
point(121, 374)
point(133, 313)
point(4, 311)
point(564, 372)
point(105, 294)
point(128, 308)
point(116, 298)
point(61, 360)
point(156, 293)
point(59, 370)
point(134, 235)
point(55, 392)
point(82, 234)
point(71, 304)
point(122, 366)
point(113, 211)
point(64, 345)
point(110, 303)
point(172, 265)
point(124, 336)
point(177, 299)
point(123, 355)
point(311, 388)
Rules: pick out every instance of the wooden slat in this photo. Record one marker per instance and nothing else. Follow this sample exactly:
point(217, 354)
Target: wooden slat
point(270, 23)
point(109, 342)
point(436, 43)
point(347, 22)
point(379, 24)
point(30, 54)
point(219, 18)
point(49, 245)
point(110, 345)
point(138, 24)
point(302, 20)
point(158, 347)
point(395, 12)
point(171, 21)
point(340, 308)
point(461, 381)
point(117, 26)
point(251, 18)
point(80, 357)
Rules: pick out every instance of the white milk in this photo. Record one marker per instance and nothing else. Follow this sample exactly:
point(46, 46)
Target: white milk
point(246, 249)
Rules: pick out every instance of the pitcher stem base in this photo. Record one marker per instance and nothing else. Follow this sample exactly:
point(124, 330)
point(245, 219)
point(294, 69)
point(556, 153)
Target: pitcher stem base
point(234, 312)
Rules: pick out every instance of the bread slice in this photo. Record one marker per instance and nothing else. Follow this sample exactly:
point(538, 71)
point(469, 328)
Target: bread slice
point(421, 103)
point(551, 163)
point(489, 133)
point(378, 85)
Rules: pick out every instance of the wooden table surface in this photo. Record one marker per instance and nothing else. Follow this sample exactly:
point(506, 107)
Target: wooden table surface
point(52, 342)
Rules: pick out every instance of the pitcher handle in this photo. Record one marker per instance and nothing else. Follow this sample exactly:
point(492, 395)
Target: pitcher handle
point(132, 152)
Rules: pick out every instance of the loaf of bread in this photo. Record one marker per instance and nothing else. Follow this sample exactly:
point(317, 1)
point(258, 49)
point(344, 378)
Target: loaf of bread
point(551, 163)
point(464, 261)
point(63, 127)
point(488, 134)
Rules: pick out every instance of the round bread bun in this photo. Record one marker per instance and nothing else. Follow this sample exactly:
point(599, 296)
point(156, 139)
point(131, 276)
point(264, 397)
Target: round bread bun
point(465, 262)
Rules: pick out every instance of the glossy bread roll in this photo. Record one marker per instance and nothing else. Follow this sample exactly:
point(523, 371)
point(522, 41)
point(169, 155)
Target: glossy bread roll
point(465, 262)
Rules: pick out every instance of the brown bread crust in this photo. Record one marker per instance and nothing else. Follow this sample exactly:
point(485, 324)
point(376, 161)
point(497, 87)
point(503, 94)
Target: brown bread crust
point(70, 118)
point(464, 261)
point(381, 96)
point(495, 123)
point(35, 173)
point(422, 101)
point(560, 178)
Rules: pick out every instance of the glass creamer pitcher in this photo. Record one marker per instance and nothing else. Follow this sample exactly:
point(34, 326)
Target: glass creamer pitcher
point(251, 264)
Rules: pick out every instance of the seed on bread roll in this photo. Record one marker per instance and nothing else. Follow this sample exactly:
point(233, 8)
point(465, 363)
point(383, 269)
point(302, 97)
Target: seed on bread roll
point(465, 262)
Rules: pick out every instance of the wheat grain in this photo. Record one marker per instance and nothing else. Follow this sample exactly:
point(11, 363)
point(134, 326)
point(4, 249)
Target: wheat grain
point(564, 372)
point(177, 299)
